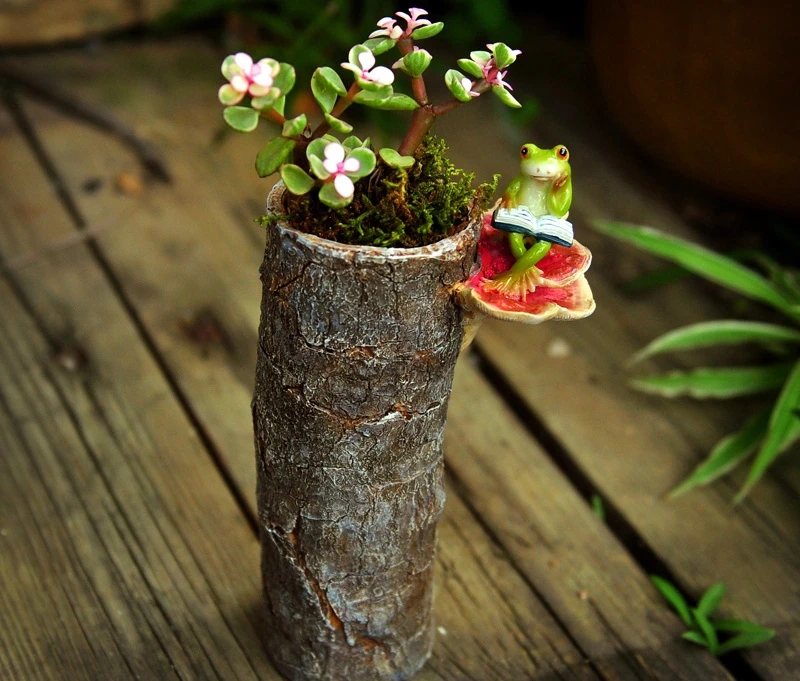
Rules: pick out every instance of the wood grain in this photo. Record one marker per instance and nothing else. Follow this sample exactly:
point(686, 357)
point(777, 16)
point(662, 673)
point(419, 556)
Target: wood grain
point(173, 231)
point(151, 484)
point(29, 22)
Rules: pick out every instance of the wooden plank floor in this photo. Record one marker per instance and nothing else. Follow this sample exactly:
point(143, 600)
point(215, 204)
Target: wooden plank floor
point(127, 543)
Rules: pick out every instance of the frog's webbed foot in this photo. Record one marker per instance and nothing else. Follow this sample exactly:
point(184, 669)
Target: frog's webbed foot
point(518, 283)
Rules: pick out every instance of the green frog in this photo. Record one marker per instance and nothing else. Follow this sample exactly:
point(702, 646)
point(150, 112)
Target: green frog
point(544, 186)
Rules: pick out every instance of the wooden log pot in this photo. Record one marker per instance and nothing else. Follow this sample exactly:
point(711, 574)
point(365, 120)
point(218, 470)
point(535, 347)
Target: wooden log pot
point(357, 348)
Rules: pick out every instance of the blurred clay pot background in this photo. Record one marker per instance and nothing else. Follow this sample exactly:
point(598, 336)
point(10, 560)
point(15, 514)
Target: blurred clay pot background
point(709, 87)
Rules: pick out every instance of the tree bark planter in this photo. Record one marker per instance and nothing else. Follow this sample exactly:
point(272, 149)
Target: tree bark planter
point(357, 348)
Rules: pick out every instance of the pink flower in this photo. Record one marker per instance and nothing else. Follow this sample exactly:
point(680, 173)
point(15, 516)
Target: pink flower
point(365, 71)
point(388, 28)
point(413, 21)
point(338, 166)
point(246, 78)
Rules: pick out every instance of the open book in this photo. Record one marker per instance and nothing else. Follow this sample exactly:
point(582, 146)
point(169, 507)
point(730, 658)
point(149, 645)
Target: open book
point(544, 228)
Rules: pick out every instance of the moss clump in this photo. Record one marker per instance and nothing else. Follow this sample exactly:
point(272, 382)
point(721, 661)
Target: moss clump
point(430, 201)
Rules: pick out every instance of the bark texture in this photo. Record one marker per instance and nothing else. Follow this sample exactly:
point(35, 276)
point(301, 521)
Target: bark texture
point(357, 347)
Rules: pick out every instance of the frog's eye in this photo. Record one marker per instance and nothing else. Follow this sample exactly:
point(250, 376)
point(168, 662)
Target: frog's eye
point(563, 153)
point(524, 152)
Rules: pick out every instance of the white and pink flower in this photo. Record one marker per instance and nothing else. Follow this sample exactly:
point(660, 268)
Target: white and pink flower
point(366, 70)
point(388, 27)
point(338, 165)
point(246, 78)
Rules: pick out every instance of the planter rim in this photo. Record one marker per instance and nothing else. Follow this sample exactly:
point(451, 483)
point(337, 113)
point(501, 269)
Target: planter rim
point(451, 247)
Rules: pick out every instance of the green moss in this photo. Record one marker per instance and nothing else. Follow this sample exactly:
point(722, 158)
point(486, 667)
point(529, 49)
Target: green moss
point(427, 203)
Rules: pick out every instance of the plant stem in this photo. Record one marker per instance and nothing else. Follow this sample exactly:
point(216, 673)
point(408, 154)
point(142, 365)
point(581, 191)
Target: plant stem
point(273, 116)
point(406, 46)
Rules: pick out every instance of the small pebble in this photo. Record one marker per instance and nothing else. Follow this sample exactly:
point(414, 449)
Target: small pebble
point(442, 631)
point(583, 594)
point(128, 183)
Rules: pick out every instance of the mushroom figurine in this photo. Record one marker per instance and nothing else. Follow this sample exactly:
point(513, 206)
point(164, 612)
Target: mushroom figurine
point(530, 268)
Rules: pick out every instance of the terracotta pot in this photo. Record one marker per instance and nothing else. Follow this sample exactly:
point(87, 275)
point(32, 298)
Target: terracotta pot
point(709, 88)
point(357, 348)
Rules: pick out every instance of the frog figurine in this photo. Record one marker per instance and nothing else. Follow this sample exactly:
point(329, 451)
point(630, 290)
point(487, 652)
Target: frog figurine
point(544, 187)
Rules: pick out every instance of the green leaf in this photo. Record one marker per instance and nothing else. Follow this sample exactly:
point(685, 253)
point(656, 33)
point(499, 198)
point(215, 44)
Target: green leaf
point(707, 629)
point(738, 626)
point(338, 125)
point(505, 96)
point(503, 56)
point(722, 332)
point(267, 101)
point(674, 598)
point(379, 45)
point(297, 180)
point(325, 92)
point(716, 383)
point(317, 168)
point(480, 56)
point(294, 126)
point(274, 154)
point(727, 454)
point(241, 118)
point(782, 419)
point(367, 160)
point(395, 102)
point(597, 507)
point(702, 261)
point(746, 640)
point(352, 142)
point(416, 62)
point(470, 68)
point(453, 81)
point(328, 196)
point(333, 79)
point(427, 31)
point(285, 79)
point(695, 637)
point(710, 600)
point(394, 159)
point(317, 147)
point(280, 105)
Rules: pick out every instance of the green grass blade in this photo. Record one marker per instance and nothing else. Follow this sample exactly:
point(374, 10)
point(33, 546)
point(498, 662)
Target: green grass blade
point(674, 598)
point(699, 260)
point(695, 637)
point(711, 599)
point(707, 629)
point(746, 640)
point(721, 332)
point(715, 383)
point(782, 421)
point(738, 626)
point(727, 454)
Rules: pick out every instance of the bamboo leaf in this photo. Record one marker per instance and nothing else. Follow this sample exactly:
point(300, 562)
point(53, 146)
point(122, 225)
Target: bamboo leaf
point(781, 421)
point(738, 626)
point(727, 454)
point(710, 600)
point(695, 637)
point(715, 383)
point(674, 598)
point(746, 639)
point(702, 261)
point(707, 629)
point(721, 332)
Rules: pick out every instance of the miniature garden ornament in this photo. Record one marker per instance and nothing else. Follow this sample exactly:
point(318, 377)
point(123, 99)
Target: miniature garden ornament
point(358, 341)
